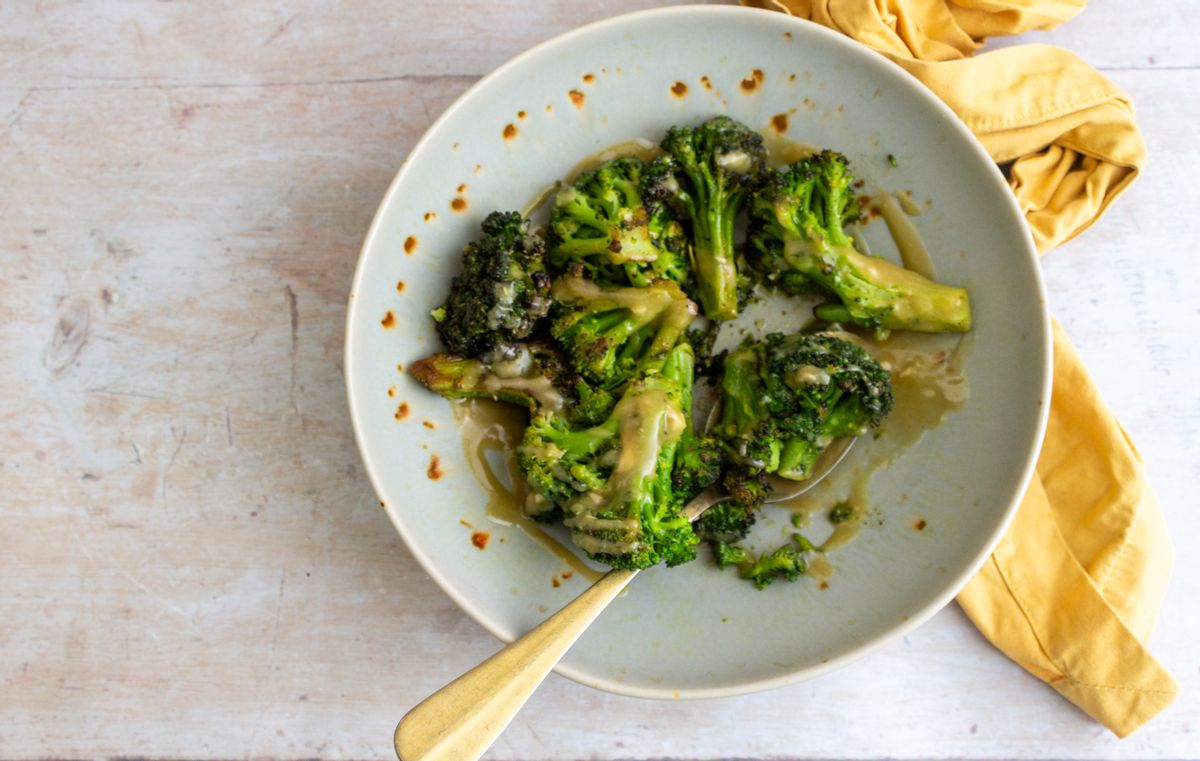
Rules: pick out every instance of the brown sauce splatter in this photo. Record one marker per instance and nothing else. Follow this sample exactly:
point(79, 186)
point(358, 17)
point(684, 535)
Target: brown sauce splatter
point(458, 204)
point(480, 539)
point(510, 131)
point(549, 108)
point(554, 582)
point(389, 319)
point(430, 216)
point(576, 97)
point(791, 77)
point(462, 188)
point(478, 168)
point(521, 114)
point(456, 146)
point(589, 78)
point(465, 522)
point(401, 411)
point(399, 367)
point(788, 35)
point(750, 83)
point(434, 471)
point(392, 392)
point(410, 245)
point(567, 574)
point(779, 122)
point(823, 585)
point(429, 424)
point(679, 89)
point(400, 286)
point(920, 524)
point(704, 80)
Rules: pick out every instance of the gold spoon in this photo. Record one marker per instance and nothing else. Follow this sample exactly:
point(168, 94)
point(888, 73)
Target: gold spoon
point(461, 721)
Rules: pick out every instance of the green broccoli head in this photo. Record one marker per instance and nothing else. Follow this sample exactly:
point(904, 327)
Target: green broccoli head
point(614, 481)
point(784, 399)
point(501, 294)
point(603, 222)
point(799, 242)
point(707, 174)
point(614, 334)
point(786, 562)
point(537, 377)
point(728, 521)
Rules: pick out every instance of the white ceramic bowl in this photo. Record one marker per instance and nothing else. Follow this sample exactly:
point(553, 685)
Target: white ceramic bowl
point(694, 631)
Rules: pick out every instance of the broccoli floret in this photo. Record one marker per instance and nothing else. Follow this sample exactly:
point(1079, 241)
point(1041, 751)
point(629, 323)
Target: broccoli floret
point(537, 377)
point(602, 221)
point(784, 399)
point(727, 521)
point(707, 174)
point(501, 294)
point(798, 220)
point(613, 334)
point(614, 481)
point(698, 464)
point(787, 562)
point(731, 554)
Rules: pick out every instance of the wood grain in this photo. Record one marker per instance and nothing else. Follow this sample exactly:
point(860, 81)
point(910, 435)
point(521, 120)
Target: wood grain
point(192, 564)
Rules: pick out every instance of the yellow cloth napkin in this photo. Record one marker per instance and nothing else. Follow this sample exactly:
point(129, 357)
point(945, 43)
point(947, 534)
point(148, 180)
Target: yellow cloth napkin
point(1073, 588)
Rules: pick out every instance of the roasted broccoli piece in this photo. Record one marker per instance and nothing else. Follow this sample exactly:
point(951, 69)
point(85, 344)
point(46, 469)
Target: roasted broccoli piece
point(707, 174)
point(602, 221)
point(537, 377)
point(727, 521)
point(798, 220)
point(784, 399)
point(501, 294)
point(614, 481)
point(614, 334)
point(786, 562)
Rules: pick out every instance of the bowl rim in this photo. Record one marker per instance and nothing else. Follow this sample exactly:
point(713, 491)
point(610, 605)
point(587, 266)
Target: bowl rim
point(860, 53)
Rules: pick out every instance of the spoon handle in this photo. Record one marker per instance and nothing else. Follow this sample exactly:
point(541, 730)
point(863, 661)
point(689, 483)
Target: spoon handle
point(460, 721)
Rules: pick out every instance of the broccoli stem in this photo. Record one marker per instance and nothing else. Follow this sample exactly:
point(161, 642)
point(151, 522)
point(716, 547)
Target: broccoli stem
point(714, 260)
point(878, 293)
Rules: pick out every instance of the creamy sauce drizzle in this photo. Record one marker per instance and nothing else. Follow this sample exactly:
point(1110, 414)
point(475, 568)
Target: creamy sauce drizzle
point(494, 427)
point(912, 249)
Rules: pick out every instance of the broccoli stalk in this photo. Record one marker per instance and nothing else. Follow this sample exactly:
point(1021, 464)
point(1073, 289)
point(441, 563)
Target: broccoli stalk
point(614, 481)
point(614, 334)
point(602, 221)
point(501, 294)
point(798, 219)
point(707, 174)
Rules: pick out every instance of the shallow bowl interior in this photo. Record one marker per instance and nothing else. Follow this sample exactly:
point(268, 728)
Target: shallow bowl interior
point(693, 631)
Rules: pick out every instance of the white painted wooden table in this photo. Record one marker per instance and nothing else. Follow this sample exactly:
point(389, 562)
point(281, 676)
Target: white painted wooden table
point(192, 564)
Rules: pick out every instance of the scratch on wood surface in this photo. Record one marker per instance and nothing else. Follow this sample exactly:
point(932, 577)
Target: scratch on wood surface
point(294, 312)
point(69, 336)
point(228, 428)
point(280, 31)
point(167, 470)
point(260, 706)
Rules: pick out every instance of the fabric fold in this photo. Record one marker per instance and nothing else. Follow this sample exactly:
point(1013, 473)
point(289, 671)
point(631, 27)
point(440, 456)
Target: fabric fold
point(1073, 588)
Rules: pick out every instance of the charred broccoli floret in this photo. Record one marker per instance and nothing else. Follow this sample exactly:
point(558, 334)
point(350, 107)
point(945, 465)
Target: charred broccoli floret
point(501, 294)
point(784, 400)
point(537, 377)
point(614, 481)
point(707, 174)
point(614, 334)
point(602, 221)
point(798, 220)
